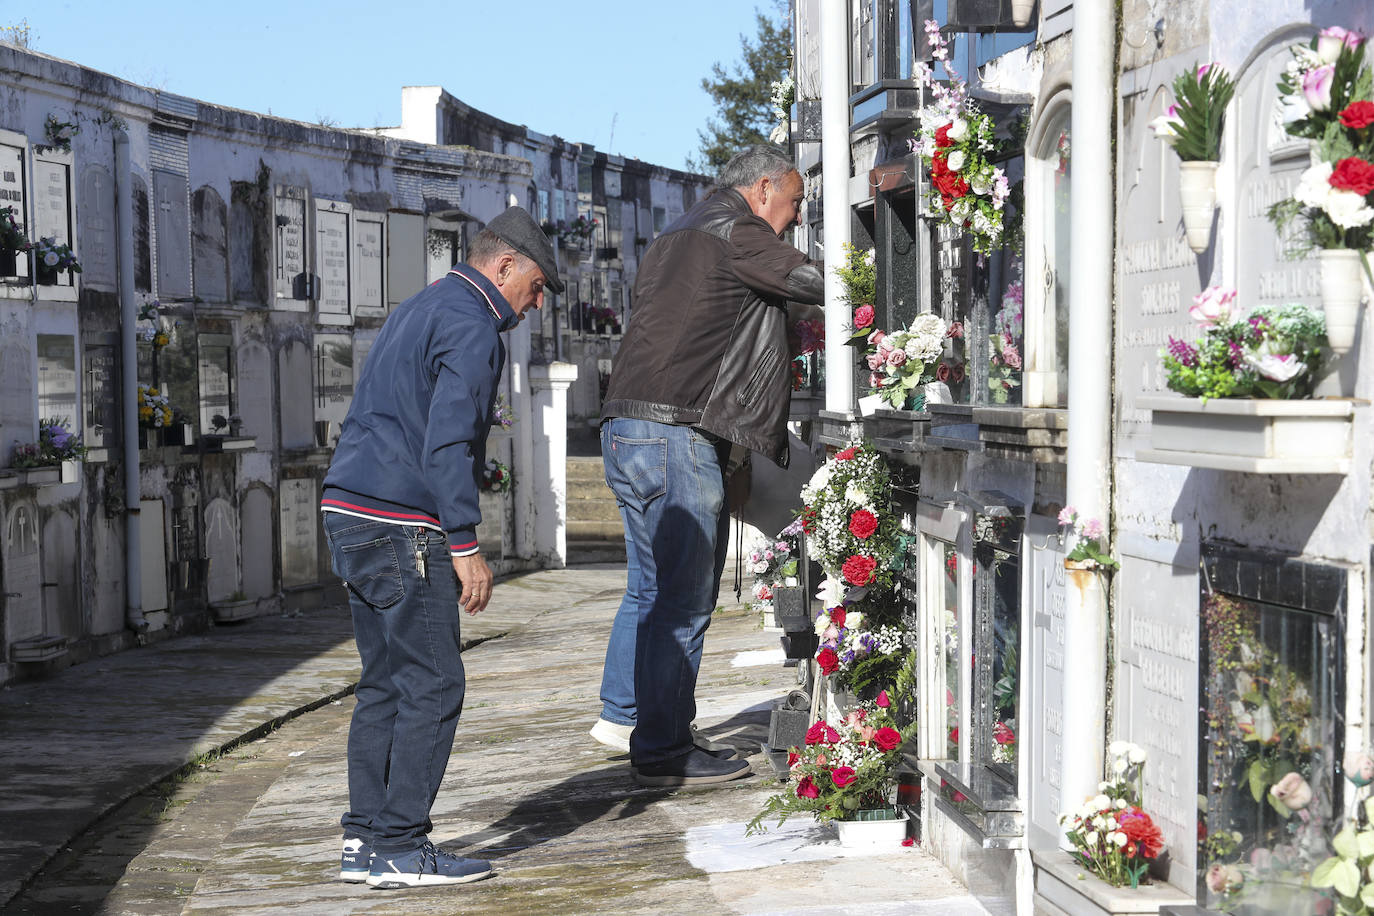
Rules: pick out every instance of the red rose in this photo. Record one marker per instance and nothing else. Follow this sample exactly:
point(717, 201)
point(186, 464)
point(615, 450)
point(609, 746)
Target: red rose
point(863, 316)
point(808, 519)
point(862, 524)
point(908, 842)
point(828, 660)
point(882, 700)
point(842, 776)
point(1353, 174)
point(1358, 115)
point(847, 454)
point(1140, 830)
point(858, 569)
point(942, 139)
point(942, 372)
point(837, 616)
point(807, 789)
point(792, 758)
point(887, 739)
point(816, 733)
point(765, 593)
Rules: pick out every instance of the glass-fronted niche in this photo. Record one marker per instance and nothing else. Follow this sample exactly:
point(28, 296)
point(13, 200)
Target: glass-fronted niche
point(997, 640)
point(1271, 728)
point(945, 621)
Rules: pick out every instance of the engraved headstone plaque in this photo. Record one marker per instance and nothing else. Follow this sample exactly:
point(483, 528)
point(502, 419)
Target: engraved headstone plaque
point(100, 418)
point(13, 193)
point(299, 509)
point(57, 379)
point(210, 245)
point(331, 262)
point(23, 575)
point(216, 382)
point(171, 217)
point(333, 385)
point(52, 200)
point(96, 209)
point(1046, 591)
point(289, 276)
point(368, 266)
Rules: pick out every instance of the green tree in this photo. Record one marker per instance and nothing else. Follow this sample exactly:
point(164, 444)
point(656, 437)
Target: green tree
point(744, 110)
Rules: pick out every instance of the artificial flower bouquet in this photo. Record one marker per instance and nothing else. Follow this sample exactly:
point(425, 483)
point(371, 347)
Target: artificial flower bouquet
point(153, 410)
point(56, 256)
point(1193, 124)
point(502, 414)
point(496, 477)
point(848, 521)
point(1111, 836)
point(12, 235)
point(1089, 549)
point(900, 362)
point(954, 141)
point(858, 275)
point(55, 445)
point(1269, 352)
point(1004, 343)
point(774, 565)
point(843, 768)
point(1328, 92)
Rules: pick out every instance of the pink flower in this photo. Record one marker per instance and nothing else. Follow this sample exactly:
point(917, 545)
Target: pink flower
point(1092, 529)
point(874, 380)
point(908, 842)
point(1359, 768)
point(1202, 70)
point(1067, 515)
point(896, 358)
point(956, 330)
point(875, 361)
point(1213, 305)
point(883, 700)
point(1331, 39)
point(842, 776)
point(1316, 86)
point(1292, 791)
point(863, 317)
point(876, 338)
point(1011, 356)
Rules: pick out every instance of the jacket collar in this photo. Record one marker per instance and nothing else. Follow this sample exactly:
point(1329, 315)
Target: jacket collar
point(497, 306)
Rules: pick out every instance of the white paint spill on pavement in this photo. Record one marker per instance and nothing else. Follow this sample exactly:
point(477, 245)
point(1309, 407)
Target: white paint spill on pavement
point(757, 657)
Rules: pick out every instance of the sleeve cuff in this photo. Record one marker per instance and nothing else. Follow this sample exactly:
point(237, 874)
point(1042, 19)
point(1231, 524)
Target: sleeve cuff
point(463, 542)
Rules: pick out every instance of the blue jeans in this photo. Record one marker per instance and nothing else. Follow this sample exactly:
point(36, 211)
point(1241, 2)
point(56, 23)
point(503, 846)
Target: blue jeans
point(668, 483)
point(406, 626)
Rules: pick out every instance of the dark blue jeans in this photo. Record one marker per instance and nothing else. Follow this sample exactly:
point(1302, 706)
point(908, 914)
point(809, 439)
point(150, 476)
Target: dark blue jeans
point(668, 483)
point(406, 626)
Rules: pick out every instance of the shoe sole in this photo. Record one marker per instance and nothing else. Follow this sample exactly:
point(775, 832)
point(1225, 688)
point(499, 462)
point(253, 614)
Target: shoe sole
point(396, 882)
point(354, 877)
point(682, 781)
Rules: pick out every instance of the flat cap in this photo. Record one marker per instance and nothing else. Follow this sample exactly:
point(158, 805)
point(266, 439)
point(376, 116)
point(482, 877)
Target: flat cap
point(518, 229)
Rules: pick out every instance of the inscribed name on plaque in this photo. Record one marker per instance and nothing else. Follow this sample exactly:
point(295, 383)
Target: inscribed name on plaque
point(290, 279)
point(331, 260)
point(368, 265)
point(299, 555)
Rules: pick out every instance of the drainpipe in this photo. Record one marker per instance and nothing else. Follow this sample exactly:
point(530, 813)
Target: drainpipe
point(1090, 384)
point(128, 337)
point(839, 359)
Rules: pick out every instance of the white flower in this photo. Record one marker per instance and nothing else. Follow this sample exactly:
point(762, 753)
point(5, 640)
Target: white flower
point(759, 568)
point(1274, 366)
point(1103, 786)
point(1120, 803)
point(958, 129)
point(856, 495)
point(1119, 839)
point(1347, 209)
point(1136, 753)
point(1117, 748)
point(1100, 801)
point(868, 258)
point(1119, 765)
point(50, 259)
point(1091, 838)
point(956, 160)
point(1314, 186)
point(778, 134)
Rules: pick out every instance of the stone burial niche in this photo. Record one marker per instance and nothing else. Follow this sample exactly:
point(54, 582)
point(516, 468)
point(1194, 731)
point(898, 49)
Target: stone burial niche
point(1270, 726)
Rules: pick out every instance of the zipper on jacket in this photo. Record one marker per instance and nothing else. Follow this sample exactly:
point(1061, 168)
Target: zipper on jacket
point(766, 363)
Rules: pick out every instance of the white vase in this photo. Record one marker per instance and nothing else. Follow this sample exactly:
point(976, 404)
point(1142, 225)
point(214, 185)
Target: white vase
point(1342, 290)
point(884, 834)
point(869, 404)
point(71, 471)
point(938, 393)
point(1197, 190)
point(1021, 12)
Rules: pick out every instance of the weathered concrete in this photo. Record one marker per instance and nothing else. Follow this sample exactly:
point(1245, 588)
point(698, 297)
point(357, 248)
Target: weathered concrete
point(256, 830)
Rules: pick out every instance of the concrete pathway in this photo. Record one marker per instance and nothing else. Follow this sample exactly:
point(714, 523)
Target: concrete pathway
point(256, 830)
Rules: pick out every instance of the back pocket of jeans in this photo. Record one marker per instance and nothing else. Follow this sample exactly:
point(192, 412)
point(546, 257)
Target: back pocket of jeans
point(372, 570)
point(644, 462)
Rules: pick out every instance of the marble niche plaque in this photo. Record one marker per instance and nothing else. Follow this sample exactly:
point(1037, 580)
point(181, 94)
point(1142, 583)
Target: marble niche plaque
point(100, 371)
point(332, 262)
point(297, 411)
point(1159, 272)
point(96, 210)
point(222, 547)
point(52, 207)
point(61, 606)
point(333, 386)
point(1047, 592)
point(172, 233)
point(299, 511)
point(23, 574)
point(369, 276)
point(1156, 697)
point(57, 379)
point(255, 526)
point(291, 283)
point(13, 194)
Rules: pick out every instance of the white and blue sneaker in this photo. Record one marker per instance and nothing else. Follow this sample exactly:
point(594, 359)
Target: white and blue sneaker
point(424, 867)
point(356, 860)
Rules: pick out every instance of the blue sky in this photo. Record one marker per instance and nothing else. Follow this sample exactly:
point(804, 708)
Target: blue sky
point(559, 66)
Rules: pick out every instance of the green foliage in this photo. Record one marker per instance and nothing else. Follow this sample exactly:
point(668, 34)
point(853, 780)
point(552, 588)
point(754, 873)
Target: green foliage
point(1221, 364)
point(1351, 82)
point(1347, 872)
point(1202, 101)
point(744, 96)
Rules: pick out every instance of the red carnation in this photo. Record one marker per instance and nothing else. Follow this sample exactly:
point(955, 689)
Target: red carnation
point(863, 316)
point(862, 524)
point(765, 593)
point(808, 519)
point(828, 660)
point(942, 139)
point(1358, 115)
point(1353, 174)
point(887, 738)
point(807, 789)
point(847, 454)
point(1141, 831)
point(837, 616)
point(858, 569)
point(842, 776)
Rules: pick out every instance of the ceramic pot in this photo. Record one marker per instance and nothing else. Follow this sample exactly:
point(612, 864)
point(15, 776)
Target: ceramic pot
point(1021, 12)
point(1342, 291)
point(1198, 193)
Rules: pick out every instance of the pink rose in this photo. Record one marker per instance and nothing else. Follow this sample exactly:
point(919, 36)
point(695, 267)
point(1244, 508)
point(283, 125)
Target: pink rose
point(1316, 87)
point(874, 380)
point(896, 358)
point(882, 700)
point(1011, 356)
point(1223, 879)
point(875, 361)
point(1293, 791)
point(863, 315)
point(1330, 41)
point(876, 338)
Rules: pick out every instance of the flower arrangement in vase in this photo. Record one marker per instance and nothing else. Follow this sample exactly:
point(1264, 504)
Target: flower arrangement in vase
point(1269, 352)
point(502, 414)
point(1110, 834)
point(1005, 341)
point(59, 134)
point(1193, 126)
point(954, 142)
point(153, 410)
point(901, 362)
point(496, 477)
point(55, 445)
point(53, 257)
point(1328, 92)
point(1089, 549)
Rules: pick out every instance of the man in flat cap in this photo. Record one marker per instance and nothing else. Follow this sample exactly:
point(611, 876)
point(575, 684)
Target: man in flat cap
point(400, 515)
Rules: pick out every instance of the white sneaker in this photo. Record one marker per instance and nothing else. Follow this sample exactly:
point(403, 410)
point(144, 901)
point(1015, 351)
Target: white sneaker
point(613, 735)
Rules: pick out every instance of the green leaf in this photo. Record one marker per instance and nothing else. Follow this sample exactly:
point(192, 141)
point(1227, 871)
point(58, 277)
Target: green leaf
point(1278, 806)
point(1344, 843)
point(1367, 895)
point(1346, 879)
point(1259, 779)
point(1364, 841)
point(1324, 874)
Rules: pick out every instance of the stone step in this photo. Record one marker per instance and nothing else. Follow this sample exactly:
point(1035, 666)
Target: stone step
point(586, 469)
point(596, 551)
point(593, 510)
point(595, 530)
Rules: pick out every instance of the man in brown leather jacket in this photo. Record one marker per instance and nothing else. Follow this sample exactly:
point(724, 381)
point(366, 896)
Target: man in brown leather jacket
point(703, 368)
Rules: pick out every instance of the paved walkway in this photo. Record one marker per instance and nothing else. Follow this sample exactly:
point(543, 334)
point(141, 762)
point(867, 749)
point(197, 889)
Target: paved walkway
point(255, 830)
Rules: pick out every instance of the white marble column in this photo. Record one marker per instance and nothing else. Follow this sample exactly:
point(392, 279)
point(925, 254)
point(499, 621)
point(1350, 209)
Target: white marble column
point(549, 478)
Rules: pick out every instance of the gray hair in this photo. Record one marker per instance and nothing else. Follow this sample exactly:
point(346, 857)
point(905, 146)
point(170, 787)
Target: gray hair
point(488, 247)
point(745, 168)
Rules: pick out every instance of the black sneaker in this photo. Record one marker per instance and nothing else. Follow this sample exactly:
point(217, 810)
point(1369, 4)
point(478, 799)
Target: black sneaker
point(714, 748)
point(694, 768)
point(424, 867)
point(356, 861)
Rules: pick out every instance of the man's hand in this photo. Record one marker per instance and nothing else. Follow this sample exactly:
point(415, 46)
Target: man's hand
point(475, 575)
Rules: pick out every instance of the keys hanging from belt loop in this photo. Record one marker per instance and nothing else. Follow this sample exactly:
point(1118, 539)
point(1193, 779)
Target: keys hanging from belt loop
point(420, 553)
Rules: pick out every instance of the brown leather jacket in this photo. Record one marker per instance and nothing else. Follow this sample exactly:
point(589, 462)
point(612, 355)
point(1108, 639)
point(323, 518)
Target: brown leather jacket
point(707, 344)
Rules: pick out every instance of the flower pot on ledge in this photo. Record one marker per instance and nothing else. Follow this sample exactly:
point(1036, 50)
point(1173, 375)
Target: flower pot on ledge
point(1021, 12)
point(1198, 194)
point(1255, 436)
point(47, 276)
point(1062, 886)
point(881, 829)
